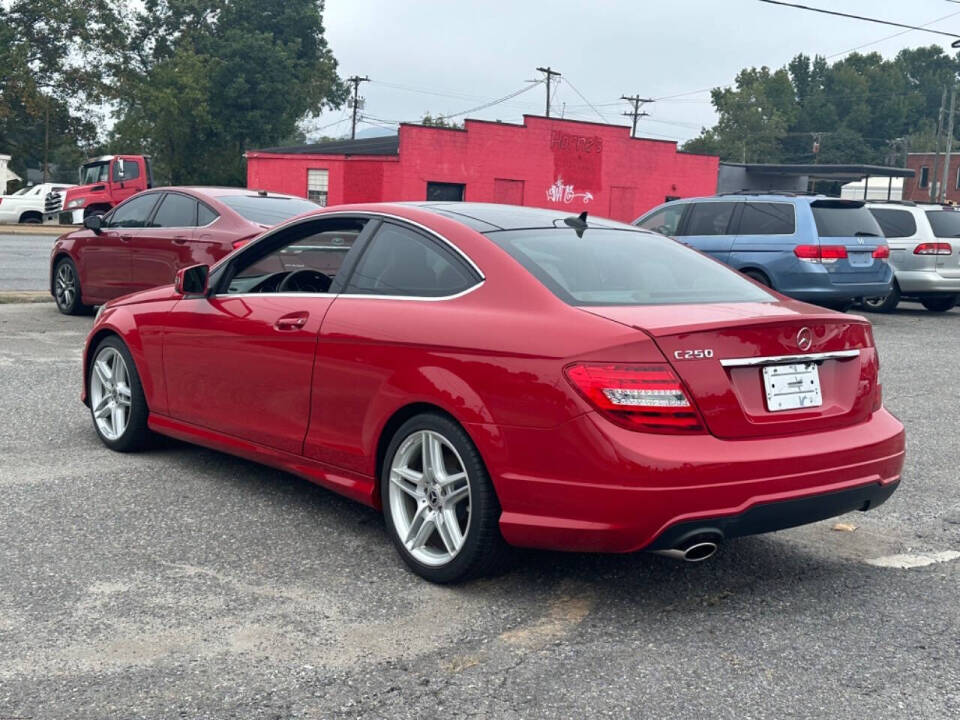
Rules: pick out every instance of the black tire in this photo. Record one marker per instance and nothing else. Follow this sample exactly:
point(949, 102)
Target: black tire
point(484, 551)
point(31, 219)
point(939, 304)
point(759, 277)
point(136, 435)
point(883, 304)
point(69, 303)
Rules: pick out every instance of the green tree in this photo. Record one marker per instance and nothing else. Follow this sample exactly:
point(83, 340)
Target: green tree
point(440, 121)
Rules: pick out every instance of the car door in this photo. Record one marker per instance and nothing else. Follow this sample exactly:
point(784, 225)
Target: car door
point(105, 258)
point(766, 234)
point(124, 176)
point(707, 226)
point(165, 245)
point(239, 361)
point(404, 284)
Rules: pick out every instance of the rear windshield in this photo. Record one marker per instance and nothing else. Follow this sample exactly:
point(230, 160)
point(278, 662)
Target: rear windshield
point(267, 210)
point(895, 223)
point(838, 219)
point(623, 267)
point(945, 223)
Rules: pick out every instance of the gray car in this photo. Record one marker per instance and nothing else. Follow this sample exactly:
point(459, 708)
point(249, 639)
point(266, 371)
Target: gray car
point(924, 252)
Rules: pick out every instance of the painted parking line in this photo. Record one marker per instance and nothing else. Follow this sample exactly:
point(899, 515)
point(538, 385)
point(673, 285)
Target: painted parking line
point(907, 561)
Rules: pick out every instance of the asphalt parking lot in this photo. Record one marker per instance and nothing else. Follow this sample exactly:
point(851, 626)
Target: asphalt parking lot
point(24, 260)
point(187, 583)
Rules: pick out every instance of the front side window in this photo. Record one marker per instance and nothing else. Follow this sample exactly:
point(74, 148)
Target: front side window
point(267, 209)
point(709, 218)
point(623, 267)
point(134, 212)
point(124, 170)
point(401, 261)
point(767, 218)
point(176, 211)
point(306, 258)
point(664, 221)
point(895, 223)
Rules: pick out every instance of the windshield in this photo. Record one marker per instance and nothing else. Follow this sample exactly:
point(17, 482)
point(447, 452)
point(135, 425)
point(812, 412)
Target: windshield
point(94, 173)
point(844, 219)
point(22, 191)
point(269, 210)
point(623, 267)
point(945, 223)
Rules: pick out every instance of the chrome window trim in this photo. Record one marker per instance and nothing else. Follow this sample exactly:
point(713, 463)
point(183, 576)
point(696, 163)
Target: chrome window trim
point(778, 359)
point(351, 296)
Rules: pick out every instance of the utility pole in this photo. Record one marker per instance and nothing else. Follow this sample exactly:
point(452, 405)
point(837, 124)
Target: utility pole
point(932, 178)
point(46, 140)
point(946, 154)
point(637, 103)
point(355, 102)
point(549, 72)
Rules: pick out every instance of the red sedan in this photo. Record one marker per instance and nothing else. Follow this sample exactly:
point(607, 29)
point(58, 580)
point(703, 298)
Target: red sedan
point(142, 242)
point(494, 376)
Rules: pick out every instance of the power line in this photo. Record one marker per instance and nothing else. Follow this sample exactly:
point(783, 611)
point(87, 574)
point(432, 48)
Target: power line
point(512, 95)
point(896, 34)
point(591, 105)
point(956, 37)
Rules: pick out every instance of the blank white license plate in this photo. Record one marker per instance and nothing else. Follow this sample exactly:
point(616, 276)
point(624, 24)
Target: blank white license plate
point(789, 387)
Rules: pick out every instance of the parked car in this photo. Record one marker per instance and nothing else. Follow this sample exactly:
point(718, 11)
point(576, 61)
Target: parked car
point(924, 252)
point(26, 205)
point(822, 250)
point(411, 363)
point(145, 240)
point(105, 182)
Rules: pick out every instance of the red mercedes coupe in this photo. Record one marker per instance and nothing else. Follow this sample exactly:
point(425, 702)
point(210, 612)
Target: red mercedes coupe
point(142, 242)
point(493, 376)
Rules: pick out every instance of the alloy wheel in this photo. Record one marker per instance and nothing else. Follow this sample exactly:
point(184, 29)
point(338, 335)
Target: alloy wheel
point(110, 395)
point(65, 286)
point(429, 497)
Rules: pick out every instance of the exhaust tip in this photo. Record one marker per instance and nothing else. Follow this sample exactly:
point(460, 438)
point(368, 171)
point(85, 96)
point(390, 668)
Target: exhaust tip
point(700, 551)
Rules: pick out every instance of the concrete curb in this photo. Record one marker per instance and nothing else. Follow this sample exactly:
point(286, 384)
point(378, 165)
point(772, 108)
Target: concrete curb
point(25, 296)
point(37, 229)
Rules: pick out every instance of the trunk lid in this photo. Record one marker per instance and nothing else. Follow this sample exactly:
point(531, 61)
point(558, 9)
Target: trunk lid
point(719, 352)
point(850, 224)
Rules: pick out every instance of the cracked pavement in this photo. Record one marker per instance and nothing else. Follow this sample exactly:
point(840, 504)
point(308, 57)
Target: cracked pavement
point(186, 583)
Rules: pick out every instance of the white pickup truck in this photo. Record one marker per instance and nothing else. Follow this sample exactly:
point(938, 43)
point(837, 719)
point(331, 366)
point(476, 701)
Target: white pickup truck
point(27, 205)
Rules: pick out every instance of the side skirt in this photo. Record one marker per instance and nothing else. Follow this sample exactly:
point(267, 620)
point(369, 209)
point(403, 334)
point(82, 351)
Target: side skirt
point(356, 487)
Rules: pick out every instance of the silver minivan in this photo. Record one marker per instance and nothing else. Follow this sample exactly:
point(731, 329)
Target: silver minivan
point(924, 245)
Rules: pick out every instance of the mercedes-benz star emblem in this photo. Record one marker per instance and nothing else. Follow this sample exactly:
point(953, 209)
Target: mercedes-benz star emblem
point(804, 339)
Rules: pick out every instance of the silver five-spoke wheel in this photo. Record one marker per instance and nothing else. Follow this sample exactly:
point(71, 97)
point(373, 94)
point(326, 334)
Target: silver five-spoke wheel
point(110, 395)
point(65, 285)
point(430, 497)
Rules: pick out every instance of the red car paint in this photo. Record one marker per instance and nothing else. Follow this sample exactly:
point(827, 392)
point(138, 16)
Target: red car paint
point(319, 400)
point(119, 261)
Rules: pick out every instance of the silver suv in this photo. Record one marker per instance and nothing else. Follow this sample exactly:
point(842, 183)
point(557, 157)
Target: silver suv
point(924, 252)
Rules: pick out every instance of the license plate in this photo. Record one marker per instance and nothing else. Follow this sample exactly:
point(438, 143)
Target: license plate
point(789, 387)
point(860, 259)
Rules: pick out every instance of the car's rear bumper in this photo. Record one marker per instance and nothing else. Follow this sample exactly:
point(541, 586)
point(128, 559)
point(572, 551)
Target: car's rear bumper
point(590, 485)
point(926, 282)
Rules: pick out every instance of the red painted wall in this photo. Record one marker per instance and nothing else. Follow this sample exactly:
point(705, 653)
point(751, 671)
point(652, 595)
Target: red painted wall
point(553, 163)
point(912, 189)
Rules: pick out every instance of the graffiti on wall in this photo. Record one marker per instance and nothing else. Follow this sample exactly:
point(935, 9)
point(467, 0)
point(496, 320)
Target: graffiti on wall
point(561, 192)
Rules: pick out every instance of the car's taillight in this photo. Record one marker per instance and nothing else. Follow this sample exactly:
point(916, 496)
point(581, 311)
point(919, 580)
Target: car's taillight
point(882, 252)
point(240, 243)
point(820, 253)
point(934, 248)
point(639, 397)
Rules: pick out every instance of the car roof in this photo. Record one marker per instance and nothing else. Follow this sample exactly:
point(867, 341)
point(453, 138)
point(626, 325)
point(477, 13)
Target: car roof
point(217, 191)
point(491, 217)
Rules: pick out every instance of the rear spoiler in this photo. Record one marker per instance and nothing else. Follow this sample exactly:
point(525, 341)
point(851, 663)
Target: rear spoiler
point(836, 203)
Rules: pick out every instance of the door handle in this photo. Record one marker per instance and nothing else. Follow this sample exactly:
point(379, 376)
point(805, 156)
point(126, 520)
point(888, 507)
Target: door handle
point(126, 238)
point(180, 239)
point(291, 322)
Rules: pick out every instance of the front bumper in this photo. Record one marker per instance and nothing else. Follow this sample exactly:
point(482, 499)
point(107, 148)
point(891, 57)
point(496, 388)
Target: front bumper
point(926, 282)
point(590, 485)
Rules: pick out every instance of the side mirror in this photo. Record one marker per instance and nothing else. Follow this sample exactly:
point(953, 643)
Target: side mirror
point(192, 280)
point(93, 222)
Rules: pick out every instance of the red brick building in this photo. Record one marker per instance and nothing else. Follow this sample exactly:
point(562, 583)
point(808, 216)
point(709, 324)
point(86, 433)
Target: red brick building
point(917, 188)
point(545, 162)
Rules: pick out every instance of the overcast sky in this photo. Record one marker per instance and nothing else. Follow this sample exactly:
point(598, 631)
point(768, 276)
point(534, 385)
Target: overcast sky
point(451, 55)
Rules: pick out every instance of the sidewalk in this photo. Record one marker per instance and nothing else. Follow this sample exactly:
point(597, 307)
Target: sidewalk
point(27, 229)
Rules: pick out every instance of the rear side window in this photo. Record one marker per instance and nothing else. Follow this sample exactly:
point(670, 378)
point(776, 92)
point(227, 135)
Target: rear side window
point(401, 261)
point(945, 223)
point(767, 218)
point(624, 267)
point(271, 210)
point(665, 221)
point(839, 218)
point(895, 223)
point(709, 218)
point(205, 215)
point(176, 211)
